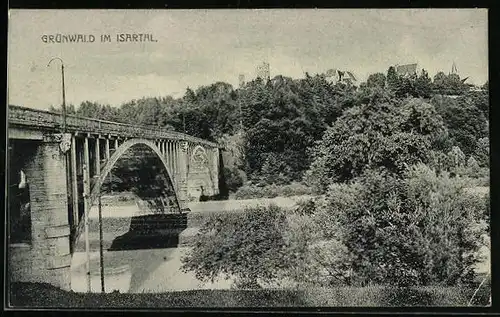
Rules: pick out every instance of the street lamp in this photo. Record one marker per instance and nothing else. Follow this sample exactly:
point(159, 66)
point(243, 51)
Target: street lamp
point(63, 92)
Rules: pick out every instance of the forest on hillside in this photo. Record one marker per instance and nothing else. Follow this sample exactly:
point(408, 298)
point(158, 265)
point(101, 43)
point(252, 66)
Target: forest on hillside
point(277, 131)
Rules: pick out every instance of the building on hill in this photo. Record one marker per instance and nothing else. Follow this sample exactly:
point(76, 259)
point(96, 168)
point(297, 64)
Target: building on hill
point(406, 70)
point(241, 80)
point(262, 71)
point(335, 76)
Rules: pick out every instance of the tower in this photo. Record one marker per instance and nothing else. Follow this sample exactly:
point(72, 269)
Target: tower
point(262, 71)
point(241, 80)
point(454, 69)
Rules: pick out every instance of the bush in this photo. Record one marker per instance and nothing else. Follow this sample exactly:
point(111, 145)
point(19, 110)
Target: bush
point(247, 245)
point(399, 231)
point(234, 178)
point(272, 191)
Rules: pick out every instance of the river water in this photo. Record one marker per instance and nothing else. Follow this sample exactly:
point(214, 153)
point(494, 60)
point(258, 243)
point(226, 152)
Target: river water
point(145, 270)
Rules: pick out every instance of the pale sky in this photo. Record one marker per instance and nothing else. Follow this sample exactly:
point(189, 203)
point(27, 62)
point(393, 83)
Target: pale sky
point(200, 47)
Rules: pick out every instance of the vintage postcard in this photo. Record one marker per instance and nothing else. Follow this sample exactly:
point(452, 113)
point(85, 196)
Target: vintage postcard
point(248, 158)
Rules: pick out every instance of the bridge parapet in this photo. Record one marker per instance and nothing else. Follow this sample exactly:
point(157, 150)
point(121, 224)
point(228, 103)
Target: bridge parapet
point(50, 121)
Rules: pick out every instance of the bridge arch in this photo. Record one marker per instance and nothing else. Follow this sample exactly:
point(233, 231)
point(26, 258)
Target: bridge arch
point(122, 149)
point(199, 178)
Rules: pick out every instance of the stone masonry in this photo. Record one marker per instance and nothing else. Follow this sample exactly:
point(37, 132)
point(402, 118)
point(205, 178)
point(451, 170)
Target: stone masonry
point(49, 252)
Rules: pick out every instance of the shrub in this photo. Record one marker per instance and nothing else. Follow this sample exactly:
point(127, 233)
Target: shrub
point(473, 168)
point(272, 191)
point(247, 245)
point(251, 191)
point(323, 260)
point(399, 231)
point(234, 178)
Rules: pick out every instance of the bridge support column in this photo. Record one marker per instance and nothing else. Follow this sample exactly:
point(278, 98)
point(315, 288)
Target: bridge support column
point(175, 170)
point(181, 176)
point(50, 257)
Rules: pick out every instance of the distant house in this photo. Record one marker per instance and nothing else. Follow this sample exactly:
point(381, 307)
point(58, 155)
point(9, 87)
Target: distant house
point(406, 70)
point(335, 76)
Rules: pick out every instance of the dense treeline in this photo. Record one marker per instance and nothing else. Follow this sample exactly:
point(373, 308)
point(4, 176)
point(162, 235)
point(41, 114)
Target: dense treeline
point(272, 126)
point(394, 160)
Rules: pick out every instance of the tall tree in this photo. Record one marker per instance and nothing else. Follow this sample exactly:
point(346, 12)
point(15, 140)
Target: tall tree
point(423, 85)
point(376, 80)
point(386, 135)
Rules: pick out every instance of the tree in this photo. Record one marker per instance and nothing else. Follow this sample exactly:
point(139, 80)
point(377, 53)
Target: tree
point(440, 83)
point(483, 152)
point(376, 135)
point(449, 84)
point(376, 80)
point(89, 109)
point(464, 118)
point(473, 168)
point(282, 119)
point(456, 157)
point(393, 80)
point(423, 85)
point(70, 109)
point(393, 227)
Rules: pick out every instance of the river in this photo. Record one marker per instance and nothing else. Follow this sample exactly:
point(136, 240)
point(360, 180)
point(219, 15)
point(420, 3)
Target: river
point(144, 269)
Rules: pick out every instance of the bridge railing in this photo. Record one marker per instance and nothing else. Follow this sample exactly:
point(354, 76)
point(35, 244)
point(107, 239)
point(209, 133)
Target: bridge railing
point(53, 121)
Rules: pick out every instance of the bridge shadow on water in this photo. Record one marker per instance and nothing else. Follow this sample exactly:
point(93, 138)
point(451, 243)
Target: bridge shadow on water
point(134, 257)
point(154, 231)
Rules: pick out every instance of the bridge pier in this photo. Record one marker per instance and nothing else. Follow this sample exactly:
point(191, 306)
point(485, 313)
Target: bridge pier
point(181, 174)
point(48, 258)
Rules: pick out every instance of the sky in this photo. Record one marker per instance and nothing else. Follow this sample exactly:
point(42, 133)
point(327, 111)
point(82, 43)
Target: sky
point(200, 47)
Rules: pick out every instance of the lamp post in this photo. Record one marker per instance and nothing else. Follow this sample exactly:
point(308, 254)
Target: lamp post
point(63, 91)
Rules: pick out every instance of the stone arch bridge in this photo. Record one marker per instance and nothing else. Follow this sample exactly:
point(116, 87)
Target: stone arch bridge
point(65, 168)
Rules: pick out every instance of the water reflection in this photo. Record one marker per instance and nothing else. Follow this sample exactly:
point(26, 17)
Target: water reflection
point(134, 248)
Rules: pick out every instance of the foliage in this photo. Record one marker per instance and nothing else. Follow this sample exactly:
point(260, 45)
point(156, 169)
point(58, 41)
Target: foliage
point(423, 85)
point(417, 86)
point(270, 128)
point(473, 168)
point(248, 245)
point(449, 84)
point(398, 231)
point(379, 134)
point(234, 148)
point(376, 80)
point(322, 262)
point(282, 119)
point(234, 178)
point(483, 152)
point(466, 118)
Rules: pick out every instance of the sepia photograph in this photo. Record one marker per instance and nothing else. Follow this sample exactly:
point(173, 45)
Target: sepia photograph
point(247, 158)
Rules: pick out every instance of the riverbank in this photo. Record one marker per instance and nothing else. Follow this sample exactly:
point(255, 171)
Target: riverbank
point(37, 295)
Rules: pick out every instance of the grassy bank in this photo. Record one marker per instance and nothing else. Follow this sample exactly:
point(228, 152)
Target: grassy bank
point(44, 295)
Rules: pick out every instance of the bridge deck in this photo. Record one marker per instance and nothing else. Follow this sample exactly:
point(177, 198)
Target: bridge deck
point(33, 119)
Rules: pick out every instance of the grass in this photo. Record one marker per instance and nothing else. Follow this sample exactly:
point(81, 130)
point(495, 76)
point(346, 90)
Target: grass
point(37, 295)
